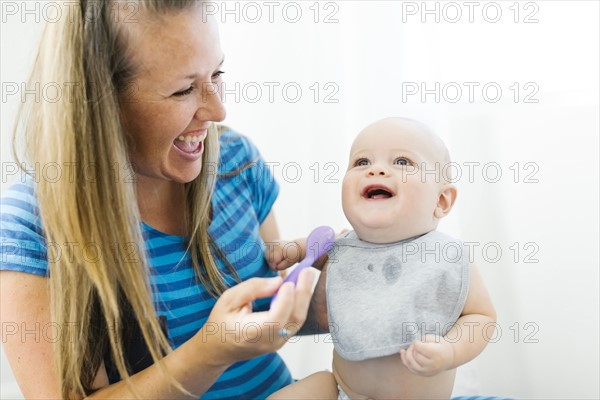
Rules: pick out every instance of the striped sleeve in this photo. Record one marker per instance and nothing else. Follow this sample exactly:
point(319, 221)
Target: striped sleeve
point(22, 243)
point(479, 398)
point(243, 164)
point(260, 176)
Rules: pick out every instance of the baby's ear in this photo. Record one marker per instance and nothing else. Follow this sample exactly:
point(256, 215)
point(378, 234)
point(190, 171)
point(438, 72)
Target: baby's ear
point(446, 200)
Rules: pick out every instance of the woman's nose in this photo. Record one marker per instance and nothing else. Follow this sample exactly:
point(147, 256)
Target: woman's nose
point(211, 107)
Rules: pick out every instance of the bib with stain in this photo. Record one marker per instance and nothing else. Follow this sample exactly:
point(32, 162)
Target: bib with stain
point(381, 297)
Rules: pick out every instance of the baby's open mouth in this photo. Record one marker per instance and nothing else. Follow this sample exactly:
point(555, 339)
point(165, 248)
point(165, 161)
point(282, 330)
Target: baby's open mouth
point(377, 192)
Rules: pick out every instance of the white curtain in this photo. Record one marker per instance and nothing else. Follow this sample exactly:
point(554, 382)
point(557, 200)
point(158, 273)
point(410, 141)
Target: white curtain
point(541, 135)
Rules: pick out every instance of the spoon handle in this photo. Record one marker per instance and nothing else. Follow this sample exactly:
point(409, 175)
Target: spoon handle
point(319, 242)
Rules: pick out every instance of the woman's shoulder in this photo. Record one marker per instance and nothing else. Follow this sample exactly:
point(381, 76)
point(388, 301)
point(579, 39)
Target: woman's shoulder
point(23, 246)
point(236, 150)
point(20, 198)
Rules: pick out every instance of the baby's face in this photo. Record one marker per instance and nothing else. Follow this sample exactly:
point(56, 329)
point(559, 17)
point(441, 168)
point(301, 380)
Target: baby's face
point(386, 194)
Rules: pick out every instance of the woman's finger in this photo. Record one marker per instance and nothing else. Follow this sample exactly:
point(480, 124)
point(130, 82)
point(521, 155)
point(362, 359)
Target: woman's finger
point(303, 295)
point(306, 281)
point(282, 307)
point(246, 292)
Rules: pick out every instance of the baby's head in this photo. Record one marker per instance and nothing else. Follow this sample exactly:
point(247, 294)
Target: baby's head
point(394, 187)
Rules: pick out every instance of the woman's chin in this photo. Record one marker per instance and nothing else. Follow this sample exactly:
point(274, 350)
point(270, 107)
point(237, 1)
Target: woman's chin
point(186, 177)
point(184, 173)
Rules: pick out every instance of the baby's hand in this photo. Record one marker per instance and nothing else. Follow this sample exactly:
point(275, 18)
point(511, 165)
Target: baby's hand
point(428, 357)
point(283, 254)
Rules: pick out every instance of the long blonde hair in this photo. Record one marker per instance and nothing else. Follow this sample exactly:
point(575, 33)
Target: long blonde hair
point(92, 213)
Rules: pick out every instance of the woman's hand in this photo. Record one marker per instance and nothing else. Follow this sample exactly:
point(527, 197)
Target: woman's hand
point(234, 333)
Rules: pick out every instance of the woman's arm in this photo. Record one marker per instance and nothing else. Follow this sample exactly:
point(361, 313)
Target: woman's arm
point(25, 315)
point(195, 365)
point(317, 320)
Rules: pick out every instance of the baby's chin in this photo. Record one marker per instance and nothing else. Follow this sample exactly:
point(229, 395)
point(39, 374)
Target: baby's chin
point(381, 234)
point(390, 232)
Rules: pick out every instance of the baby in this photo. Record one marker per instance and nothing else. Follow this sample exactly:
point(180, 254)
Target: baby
point(405, 307)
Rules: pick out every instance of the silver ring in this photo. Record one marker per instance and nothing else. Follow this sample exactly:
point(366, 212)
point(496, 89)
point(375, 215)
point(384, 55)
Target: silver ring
point(284, 333)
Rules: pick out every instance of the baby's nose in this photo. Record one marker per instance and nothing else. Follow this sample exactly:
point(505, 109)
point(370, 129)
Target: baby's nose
point(378, 170)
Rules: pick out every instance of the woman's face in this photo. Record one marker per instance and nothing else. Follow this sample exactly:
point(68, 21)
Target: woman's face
point(174, 95)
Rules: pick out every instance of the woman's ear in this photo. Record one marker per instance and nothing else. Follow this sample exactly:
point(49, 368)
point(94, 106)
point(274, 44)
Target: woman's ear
point(446, 200)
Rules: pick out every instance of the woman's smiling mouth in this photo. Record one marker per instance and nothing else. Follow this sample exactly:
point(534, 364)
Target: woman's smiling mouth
point(188, 147)
point(191, 144)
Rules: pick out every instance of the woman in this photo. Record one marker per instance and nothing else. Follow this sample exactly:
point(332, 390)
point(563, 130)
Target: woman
point(128, 269)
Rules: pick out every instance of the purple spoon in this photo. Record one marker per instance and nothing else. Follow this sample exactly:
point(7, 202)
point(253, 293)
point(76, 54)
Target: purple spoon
point(320, 241)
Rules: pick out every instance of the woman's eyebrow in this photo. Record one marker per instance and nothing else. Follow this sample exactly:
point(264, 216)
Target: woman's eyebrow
point(195, 75)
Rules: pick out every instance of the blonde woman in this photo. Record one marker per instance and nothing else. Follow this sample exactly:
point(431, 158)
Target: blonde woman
point(152, 288)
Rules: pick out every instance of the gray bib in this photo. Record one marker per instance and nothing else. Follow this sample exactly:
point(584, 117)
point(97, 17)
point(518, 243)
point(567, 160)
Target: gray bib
point(381, 297)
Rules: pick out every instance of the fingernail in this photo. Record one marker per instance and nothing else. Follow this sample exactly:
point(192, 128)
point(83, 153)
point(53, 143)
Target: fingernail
point(312, 274)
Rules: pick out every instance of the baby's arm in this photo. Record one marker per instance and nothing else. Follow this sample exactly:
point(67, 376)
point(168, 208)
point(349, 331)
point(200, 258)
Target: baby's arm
point(465, 340)
point(280, 254)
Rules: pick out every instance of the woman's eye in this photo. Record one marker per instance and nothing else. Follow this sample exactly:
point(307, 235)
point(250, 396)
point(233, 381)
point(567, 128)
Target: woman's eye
point(184, 92)
point(218, 74)
point(361, 162)
point(401, 161)
point(215, 76)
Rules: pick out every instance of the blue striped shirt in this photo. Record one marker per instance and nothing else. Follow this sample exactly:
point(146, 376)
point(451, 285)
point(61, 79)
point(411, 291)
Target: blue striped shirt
point(241, 202)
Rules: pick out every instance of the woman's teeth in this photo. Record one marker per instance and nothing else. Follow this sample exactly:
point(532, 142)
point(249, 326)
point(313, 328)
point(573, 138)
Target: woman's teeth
point(190, 139)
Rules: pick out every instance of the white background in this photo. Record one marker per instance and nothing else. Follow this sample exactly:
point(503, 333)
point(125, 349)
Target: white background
point(368, 55)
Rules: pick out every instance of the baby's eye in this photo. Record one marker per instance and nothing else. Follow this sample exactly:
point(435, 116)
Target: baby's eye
point(361, 162)
point(402, 161)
